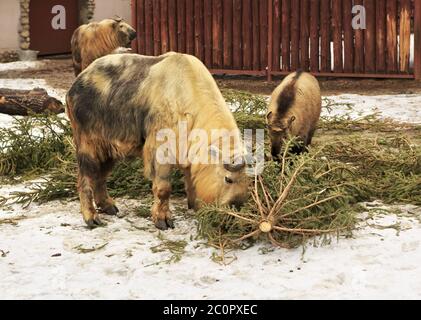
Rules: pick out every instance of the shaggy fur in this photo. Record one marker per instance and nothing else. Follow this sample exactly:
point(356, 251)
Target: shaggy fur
point(294, 110)
point(116, 108)
point(97, 39)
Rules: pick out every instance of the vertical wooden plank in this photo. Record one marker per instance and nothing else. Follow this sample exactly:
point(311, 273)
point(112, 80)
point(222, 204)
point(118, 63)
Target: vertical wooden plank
point(164, 26)
point(256, 35)
point(270, 41)
point(380, 36)
point(359, 46)
point(295, 35)
point(198, 29)
point(247, 30)
point(337, 35)
point(227, 9)
point(286, 35)
point(217, 33)
point(314, 35)
point(264, 28)
point(417, 39)
point(392, 36)
point(208, 32)
point(137, 14)
point(156, 27)
point(236, 34)
point(276, 52)
point(149, 38)
point(370, 37)
point(140, 27)
point(325, 65)
point(190, 26)
point(305, 35)
point(348, 36)
point(172, 20)
point(181, 25)
point(405, 36)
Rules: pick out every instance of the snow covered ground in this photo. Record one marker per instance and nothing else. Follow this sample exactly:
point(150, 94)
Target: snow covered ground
point(20, 65)
point(401, 108)
point(47, 252)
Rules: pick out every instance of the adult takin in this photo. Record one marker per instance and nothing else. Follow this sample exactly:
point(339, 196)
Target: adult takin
point(119, 106)
point(294, 111)
point(97, 39)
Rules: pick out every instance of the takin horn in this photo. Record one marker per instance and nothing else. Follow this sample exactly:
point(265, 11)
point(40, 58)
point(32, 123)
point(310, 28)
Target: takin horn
point(235, 167)
point(117, 19)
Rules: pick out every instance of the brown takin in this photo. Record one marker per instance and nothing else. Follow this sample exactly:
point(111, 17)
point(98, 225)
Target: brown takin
point(97, 39)
point(294, 111)
point(118, 107)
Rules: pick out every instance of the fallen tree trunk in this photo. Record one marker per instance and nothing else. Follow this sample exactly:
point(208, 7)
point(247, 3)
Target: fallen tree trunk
point(25, 102)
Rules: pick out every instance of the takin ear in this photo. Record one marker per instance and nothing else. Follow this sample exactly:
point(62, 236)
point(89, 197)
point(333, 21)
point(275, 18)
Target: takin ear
point(291, 121)
point(269, 117)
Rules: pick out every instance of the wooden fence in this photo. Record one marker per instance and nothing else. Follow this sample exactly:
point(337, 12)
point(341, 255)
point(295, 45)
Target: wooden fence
point(275, 37)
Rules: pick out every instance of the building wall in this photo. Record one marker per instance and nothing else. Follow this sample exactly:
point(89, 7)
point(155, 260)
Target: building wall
point(108, 9)
point(9, 24)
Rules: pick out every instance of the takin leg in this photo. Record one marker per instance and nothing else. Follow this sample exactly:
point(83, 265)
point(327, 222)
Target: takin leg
point(161, 214)
point(102, 199)
point(310, 137)
point(190, 190)
point(89, 173)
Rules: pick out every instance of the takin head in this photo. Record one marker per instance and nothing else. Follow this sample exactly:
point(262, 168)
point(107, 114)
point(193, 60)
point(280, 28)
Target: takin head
point(279, 131)
point(125, 33)
point(225, 185)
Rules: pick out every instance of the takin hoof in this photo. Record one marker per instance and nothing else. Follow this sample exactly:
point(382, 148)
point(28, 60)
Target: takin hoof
point(191, 205)
point(165, 224)
point(110, 211)
point(94, 223)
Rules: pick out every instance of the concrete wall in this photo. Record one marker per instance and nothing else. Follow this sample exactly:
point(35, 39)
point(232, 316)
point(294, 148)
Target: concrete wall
point(108, 9)
point(9, 24)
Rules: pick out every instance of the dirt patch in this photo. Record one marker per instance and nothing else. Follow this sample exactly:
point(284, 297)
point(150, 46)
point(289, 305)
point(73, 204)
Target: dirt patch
point(59, 74)
point(330, 86)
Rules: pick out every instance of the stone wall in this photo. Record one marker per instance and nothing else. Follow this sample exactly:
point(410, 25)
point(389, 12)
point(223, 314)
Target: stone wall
point(25, 39)
point(8, 56)
point(87, 10)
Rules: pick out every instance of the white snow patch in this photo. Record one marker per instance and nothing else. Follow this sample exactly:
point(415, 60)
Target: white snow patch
point(6, 121)
point(21, 65)
point(42, 260)
point(401, 108)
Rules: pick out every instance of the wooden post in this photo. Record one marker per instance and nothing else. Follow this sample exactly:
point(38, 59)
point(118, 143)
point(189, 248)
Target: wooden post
point(270, 41)
point(314, 35)
point(134, 24)
point(417, 36)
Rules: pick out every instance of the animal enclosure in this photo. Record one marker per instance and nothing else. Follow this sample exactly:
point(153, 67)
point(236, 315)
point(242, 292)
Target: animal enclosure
point(276, 37)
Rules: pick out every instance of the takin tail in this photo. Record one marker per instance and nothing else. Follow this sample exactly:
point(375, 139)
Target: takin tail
point(287, 96)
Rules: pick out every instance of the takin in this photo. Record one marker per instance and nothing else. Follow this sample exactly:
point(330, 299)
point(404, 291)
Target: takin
point(97, 39)
point(294, 111)
point(118, 107)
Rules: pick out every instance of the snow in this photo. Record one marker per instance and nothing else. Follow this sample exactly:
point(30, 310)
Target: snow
point(401, 108)
point(20, 65)
point(43, 260)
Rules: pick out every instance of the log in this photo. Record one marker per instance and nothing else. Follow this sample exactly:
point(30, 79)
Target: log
point(25, 102)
